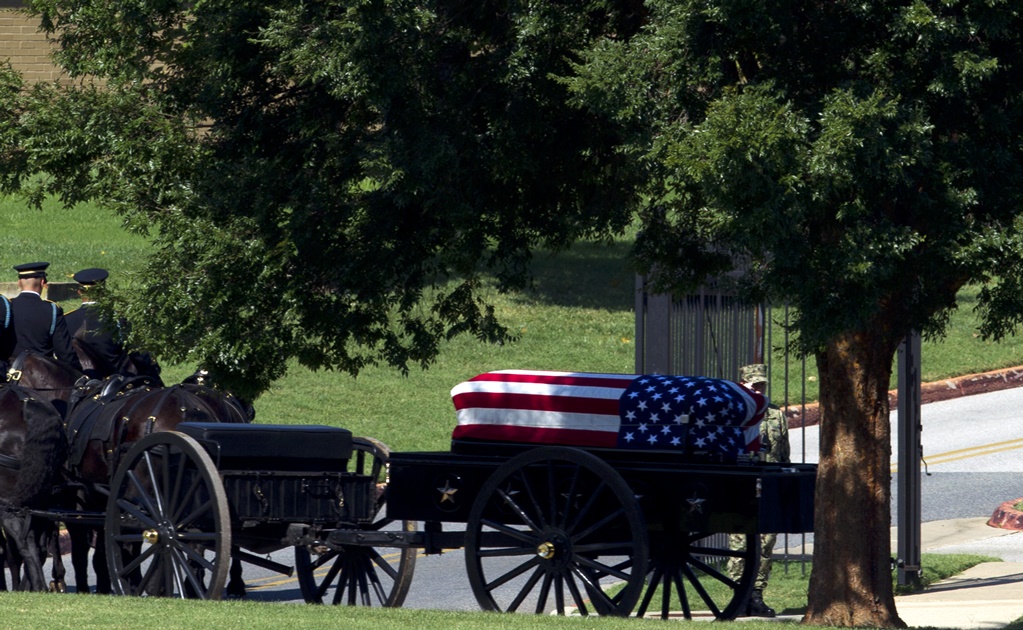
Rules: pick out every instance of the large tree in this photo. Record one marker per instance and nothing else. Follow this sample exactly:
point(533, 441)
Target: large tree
point(861, 161)
point(327, 180)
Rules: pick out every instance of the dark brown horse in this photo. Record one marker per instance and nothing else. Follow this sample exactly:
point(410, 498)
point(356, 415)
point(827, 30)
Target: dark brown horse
point(105, 419)
point(54, 381)
point(130, 364)
point(32, 451)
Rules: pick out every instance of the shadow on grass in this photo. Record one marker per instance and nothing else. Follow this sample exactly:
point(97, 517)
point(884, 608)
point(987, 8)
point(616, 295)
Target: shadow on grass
point(588, 275)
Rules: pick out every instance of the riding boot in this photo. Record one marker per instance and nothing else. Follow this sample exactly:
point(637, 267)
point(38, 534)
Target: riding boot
point(756, 606)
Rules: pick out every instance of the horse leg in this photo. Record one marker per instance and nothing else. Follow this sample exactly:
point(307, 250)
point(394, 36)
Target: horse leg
point(18, 529)
point(99, 563)
point(236, 585)
point(58, 584)
point(80, 535)
point(3, 561)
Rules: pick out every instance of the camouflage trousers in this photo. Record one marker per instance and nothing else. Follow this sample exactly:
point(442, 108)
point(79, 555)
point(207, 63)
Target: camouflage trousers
point(735, 565)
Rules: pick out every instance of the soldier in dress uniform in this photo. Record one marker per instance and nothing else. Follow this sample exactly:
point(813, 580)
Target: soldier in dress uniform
point(6, 335)
point(774, 444)
point(38, 325)
point(86, 325)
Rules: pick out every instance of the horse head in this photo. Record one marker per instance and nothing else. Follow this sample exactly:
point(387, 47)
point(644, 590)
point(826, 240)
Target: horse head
point(230, 408)
point(133, 363)
point(53, 380)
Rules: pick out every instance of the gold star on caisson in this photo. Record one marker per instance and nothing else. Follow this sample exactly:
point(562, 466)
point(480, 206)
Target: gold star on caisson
point(447, 493)
point(696, 504)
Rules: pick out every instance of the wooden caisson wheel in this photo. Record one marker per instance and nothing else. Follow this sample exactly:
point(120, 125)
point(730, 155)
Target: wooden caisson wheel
point(357, 575)
point(689, 572)
point(167, 521)
point(551, 524)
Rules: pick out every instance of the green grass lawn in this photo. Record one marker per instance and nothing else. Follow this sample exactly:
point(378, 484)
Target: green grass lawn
point(787, 594)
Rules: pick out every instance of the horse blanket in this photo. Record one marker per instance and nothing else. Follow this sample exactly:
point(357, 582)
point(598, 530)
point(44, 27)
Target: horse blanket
point(687, 414)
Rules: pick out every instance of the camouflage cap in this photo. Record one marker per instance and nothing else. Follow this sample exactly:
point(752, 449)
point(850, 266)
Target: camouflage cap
point(752, 374)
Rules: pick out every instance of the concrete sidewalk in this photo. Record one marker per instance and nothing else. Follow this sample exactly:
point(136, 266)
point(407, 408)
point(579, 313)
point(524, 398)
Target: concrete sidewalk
point(989, 595)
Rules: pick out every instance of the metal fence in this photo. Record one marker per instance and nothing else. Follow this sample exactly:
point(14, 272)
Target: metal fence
point(711, 333)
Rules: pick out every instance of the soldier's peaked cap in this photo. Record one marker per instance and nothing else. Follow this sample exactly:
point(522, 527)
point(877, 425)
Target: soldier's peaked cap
point(32, 270)
point(89, 277)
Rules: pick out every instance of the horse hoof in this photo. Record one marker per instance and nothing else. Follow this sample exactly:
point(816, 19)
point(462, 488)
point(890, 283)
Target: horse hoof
point(58, 586)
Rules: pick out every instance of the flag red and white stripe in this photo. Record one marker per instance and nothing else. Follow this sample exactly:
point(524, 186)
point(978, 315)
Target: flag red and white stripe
point(587, 409)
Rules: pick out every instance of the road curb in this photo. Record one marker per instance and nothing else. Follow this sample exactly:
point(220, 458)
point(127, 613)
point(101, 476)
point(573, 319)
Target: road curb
point(968, 385)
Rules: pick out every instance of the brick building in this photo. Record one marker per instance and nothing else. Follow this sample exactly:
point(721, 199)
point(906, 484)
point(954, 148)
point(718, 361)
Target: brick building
point(23, 44)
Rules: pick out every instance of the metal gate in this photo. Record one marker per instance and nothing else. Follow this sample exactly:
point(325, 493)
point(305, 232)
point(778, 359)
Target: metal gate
point(713, 333)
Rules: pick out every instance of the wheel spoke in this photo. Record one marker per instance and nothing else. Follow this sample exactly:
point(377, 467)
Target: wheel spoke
point(527, 588)
point(501, 552)
point(207, 506)
point(196, 556)
point(545, 590)
point(585, 509)
point(515, 507)
point(147, 460)
point(712, 572)
point(676, 576)
point(332, 573)
point(559, 594)
point(322, 559)
point(514, 573)
point(577, 597)
point(137, 562)
point(131, 509)
point(655, 578)
point(701, 591)
point(342, 582)
point(193, 487)
point(598, 525)
point(182, 563)
point(381, 562)
point(602, 568)
point(528, 537)
point(143, 494)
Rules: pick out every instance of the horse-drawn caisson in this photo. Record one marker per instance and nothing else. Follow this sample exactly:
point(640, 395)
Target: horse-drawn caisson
point(599, 493)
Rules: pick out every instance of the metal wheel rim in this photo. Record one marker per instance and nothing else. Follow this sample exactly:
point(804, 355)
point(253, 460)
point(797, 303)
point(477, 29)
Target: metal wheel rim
point(355, 575)
point(167, 502)
point(558, 535)
point(688, 565)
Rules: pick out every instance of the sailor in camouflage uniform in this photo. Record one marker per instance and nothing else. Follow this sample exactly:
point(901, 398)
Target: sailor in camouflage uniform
point(774, 444)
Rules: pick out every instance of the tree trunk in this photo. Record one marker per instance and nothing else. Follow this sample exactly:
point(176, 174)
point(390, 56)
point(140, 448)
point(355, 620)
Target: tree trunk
point(851, 579)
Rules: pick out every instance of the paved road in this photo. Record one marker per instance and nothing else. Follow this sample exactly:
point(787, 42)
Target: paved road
point(973, 449)
point(974, 452)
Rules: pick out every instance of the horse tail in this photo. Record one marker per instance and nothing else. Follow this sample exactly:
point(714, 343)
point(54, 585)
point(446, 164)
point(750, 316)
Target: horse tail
point(43, 453)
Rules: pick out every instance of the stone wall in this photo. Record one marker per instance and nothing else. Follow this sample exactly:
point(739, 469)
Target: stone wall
point(24, 45)
point(56, 291)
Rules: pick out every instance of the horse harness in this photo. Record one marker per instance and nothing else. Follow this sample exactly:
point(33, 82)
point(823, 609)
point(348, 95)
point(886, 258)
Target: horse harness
point(94, 418)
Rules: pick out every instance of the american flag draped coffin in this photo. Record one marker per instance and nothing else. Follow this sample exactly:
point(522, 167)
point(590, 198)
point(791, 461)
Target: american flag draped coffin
point(653, 412)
